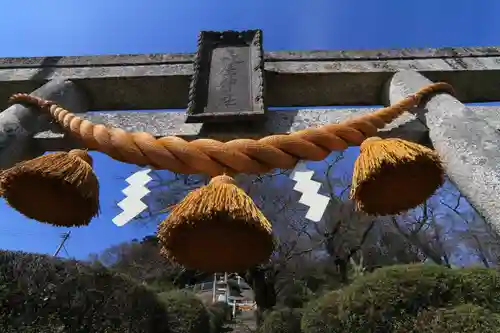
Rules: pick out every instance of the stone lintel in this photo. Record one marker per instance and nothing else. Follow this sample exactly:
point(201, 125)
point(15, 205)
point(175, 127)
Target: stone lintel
point(302, 78)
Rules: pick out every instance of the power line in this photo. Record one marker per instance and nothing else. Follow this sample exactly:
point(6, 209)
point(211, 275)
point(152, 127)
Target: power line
point(65, 237)
point(66, 251)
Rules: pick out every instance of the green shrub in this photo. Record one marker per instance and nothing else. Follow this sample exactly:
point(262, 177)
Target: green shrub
point(220, 313)
point(295, 295)
point(39, 293)
point(321, 315)
point(392, 297)
point(465, 318)
point(284, 320)
point(159, 286)
point(185, 312)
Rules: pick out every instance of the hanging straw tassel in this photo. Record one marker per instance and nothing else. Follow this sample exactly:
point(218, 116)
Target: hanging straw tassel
point(393, 175)
point(217, 228)
point(59, 188)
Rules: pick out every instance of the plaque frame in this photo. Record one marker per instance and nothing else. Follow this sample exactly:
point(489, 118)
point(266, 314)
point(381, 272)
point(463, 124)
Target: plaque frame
point(199, 92)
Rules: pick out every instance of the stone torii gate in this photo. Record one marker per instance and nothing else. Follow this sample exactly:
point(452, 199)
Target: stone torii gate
point(231, 80)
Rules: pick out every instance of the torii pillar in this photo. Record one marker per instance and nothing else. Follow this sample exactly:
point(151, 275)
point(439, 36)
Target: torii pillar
point(467, 144)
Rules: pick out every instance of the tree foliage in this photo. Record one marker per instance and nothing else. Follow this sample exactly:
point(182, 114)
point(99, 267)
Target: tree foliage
point(142, 261)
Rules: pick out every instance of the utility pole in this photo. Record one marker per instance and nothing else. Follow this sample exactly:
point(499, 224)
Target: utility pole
point(64, 237)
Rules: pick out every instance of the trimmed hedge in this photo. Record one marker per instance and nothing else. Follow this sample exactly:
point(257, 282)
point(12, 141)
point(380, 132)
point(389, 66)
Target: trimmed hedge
point(284, 320)
point(39, 293)
point(465, 318)
point(186, 313)
point(391, 299)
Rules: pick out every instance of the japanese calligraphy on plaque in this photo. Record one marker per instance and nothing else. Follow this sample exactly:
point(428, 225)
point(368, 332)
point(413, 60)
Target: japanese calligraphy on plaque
point(227, 84)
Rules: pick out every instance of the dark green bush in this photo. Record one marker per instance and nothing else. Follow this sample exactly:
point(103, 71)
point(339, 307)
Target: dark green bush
point(185, 312)
point(392, 297)
point(220, 313)
point(41, 294)
point(465, 318)
point(284, 320)
point(294, 294)
point(321, 315)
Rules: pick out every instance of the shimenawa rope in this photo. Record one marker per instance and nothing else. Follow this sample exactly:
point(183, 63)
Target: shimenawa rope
point(236, 156)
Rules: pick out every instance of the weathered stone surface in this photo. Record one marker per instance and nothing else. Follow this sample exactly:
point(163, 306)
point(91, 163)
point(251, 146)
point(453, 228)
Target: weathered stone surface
point(159, 59)
point(468, 144)
point(385, 54)
point(127, 87)
point(18, 123)
point(350, 82)
point(161, 81)
point(98, 60)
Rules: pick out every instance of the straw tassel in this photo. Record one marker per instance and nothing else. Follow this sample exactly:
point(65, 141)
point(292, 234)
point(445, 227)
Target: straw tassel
point(394, 175)
point(58, 188)
point(217, 228)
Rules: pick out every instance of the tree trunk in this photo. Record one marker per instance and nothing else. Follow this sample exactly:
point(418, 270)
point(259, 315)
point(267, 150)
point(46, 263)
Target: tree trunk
point(264, 291)
point(343, 270)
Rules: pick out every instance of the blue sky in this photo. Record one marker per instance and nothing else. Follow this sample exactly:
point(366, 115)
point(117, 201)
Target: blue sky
point(58, 28)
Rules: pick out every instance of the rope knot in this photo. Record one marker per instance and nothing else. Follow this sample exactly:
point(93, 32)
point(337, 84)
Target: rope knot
point(368, 141)
point(424, 95)
point(83, 154)
point(223, 179)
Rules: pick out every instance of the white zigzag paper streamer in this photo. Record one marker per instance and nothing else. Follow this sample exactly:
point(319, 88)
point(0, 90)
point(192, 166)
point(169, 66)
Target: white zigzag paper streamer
point(132, 204)
point(309, 188)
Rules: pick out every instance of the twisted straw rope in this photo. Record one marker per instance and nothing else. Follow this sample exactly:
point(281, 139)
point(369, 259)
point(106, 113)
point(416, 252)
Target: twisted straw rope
point(213, 157)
